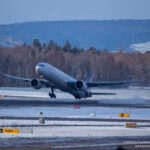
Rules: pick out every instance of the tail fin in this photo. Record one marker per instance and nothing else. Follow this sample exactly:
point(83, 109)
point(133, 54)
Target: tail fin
point(75, 73)
point(90, 76)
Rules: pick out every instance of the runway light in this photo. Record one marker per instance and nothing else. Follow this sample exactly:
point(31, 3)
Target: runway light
point(123, 115)
point(1, 96)
point(77, 106)
point(92, 115)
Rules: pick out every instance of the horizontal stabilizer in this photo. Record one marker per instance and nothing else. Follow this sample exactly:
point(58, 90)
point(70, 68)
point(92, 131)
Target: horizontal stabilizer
point(103, 93)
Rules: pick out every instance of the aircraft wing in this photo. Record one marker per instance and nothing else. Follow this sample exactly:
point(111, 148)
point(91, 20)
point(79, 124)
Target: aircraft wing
point(42, 81)
point(100, 84)
point(18, 78)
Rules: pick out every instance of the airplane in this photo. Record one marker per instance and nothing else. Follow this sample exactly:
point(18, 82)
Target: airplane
point(56, 79)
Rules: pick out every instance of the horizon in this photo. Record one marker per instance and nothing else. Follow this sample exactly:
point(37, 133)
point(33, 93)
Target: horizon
point(16, 11)
point(77, 21)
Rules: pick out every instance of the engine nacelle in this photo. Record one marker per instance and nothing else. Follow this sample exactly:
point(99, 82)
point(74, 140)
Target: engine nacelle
point(82, 94)
point(35, 83)
point(81, 85)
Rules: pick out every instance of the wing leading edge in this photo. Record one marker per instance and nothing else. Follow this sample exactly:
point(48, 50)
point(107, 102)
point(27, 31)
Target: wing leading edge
point(42, 81)
point(99, 84)
point(18, 78)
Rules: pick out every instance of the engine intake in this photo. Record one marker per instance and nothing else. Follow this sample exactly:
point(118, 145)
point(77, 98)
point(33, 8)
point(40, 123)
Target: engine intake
point(35, 83)
point(81, 85)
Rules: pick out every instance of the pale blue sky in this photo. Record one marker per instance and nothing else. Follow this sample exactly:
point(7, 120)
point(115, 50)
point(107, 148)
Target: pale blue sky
point(12, 11)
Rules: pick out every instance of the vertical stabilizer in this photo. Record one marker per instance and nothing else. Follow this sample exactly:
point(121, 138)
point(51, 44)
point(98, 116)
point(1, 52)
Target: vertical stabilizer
point(90, 76)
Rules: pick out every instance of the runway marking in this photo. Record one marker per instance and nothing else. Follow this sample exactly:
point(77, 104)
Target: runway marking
point(75, 119)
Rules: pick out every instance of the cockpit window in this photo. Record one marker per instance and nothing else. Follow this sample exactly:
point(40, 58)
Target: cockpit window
point(41, 65)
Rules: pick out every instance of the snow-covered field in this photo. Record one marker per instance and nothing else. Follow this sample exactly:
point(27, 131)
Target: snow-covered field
point(82, 132)
point(83, 112)
point(141, 47)
point(133, 95)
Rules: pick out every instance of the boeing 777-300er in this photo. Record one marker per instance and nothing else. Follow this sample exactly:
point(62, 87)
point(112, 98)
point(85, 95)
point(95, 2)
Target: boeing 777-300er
point(56, 79)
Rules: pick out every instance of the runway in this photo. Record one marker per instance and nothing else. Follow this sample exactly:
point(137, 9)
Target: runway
point(42, 102)
point(78, 143)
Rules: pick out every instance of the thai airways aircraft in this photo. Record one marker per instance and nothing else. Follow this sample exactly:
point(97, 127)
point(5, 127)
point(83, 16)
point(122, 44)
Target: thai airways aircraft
point(56, 79)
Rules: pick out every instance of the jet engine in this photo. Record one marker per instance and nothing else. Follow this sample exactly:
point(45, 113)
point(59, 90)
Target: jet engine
point(82, 94)
point(81, 85)
point(35, 83)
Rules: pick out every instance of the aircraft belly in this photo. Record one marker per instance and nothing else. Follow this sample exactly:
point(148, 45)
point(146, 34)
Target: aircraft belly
point(58, 79)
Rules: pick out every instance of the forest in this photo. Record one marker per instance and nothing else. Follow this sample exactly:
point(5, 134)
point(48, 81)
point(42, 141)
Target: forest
point(108, 66)
point(101, 34)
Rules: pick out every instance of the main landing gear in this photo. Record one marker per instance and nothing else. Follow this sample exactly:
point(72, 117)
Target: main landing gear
point(51, 94)
point(77, 97)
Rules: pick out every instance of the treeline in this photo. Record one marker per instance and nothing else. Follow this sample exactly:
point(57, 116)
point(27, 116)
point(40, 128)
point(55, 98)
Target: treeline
point(108, 66)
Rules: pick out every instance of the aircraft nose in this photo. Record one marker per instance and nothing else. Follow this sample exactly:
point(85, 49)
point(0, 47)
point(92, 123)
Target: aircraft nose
point(37, 69)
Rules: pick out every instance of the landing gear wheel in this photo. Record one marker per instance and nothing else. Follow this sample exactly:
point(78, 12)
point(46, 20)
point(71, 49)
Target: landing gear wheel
point(77, 97)
point(50, 94)
point(54, 96)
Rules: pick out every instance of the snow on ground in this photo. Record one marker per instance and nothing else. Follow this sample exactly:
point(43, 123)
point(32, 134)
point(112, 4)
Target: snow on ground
point(30, 92)
point(83, 112)
point(124, 96)
point(54, 131)
point(50, 123)
point(133, 95)
point(141, 47)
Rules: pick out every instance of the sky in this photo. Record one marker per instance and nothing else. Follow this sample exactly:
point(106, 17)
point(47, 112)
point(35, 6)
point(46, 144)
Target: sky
point(16, 11)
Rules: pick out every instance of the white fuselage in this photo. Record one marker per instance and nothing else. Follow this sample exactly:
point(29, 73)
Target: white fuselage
point(55, 76)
